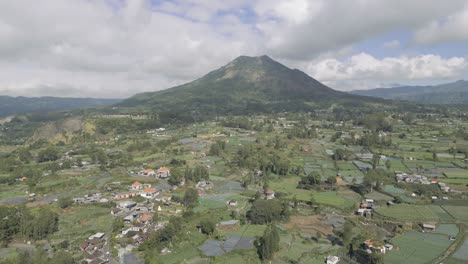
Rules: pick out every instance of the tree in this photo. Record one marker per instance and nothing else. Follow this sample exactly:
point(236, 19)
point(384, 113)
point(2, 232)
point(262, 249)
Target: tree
point(268, 244)
point(190, 199)
point(375, 161)
point(48, 154)
point(268, 211)
point(64, 202)
point(207, 226)
point(310, 181)
point(331, 180)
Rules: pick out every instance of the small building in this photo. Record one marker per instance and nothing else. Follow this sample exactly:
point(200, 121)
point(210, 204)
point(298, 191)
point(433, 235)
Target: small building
point(428, 227)
point(332, 259)
point(163, 172)
point(145, 218)
point(388, 246)
point(136, 186)
point(97, 235)
point(149, 192)
point(147, 172)
point(126, 204)
point(269, 194)
point(232, 203)
point(228, 225)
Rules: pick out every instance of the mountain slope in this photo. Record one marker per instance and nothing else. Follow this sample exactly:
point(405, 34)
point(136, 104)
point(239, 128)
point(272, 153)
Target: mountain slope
point(449, 93)
point(245, 85)
point(11, 105)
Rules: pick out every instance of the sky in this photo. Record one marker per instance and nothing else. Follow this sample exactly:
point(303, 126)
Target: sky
point(117, 48)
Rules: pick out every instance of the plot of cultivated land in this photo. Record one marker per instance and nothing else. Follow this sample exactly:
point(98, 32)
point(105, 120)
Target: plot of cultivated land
point(331, 198)
point(398, 165)
point(345, 166)
point(80, 222)
point(310, 224)
point(445, 165)
point(294, 249)
point(454, 180)
point(461, 164)
point(416, 247)
point(248, 230)
point(425, 164)
point(212, 201)
point(393, 190)
point(459, 212)
point(447, 229)
point(378, 196)
point(456, 173)
point(412, 212)
point(462, 251)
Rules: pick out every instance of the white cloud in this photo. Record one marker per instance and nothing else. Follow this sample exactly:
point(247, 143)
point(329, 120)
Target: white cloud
point(392, 44)
point(116, 48)
point(450, 28)
point(362, 70)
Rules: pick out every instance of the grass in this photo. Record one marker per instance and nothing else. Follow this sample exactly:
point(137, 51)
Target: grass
point(393, 190)
point(417, 248)
point(378, 196)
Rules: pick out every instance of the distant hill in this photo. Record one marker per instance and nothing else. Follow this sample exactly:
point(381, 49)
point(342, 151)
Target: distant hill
point(12, 105)
point(449, 93)
point(245, 85)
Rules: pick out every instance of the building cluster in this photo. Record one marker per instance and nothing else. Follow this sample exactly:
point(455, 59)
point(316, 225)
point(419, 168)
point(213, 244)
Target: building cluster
point(94, 249)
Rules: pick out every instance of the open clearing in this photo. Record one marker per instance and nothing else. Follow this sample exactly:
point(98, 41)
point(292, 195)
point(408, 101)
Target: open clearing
point(309, 224)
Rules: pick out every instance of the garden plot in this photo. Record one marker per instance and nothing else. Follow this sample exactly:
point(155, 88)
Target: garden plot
point(458, 212)
point(412, 212)
point(378, 196)
point(447, 229)
point(462, 252)
point(213, 247)
point(456, 173)
point(417, 248)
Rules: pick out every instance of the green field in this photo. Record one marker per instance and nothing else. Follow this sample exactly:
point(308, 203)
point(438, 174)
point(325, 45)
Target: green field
point(447, 229)
point(454, 180)
point(458, 212)
point(456, 173)
point(462, 252)
point(393, 190)
point(332, 198)
point(417, 248)
point(413, 212)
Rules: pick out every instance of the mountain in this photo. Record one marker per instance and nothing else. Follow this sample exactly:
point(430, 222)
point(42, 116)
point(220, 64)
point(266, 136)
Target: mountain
point(449, 93)
point(245, 85)
point(12, 105)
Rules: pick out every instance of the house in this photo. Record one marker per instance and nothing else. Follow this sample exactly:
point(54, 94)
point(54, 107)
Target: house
point(149, 192)
point(163, 172)
point(364, 212)
point(136, 186)
point(228, 225)
point(232, 203)
point(84, 245)
point(147, 172)
point(115, 211)
point(23, 178)
point(97, 235)
point(374, 245)
point(145, 218)
point(269, 194)
point(388, 246)
point(428, 227)
point(126, 204)
point(332, 259)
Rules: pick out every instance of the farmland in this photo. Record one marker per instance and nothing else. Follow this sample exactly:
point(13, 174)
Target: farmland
point(416, 247)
